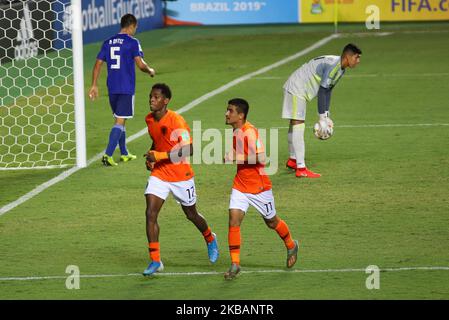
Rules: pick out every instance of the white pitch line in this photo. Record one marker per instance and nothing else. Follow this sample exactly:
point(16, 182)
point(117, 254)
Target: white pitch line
point(366, 34)
point(414, 75)
point(185, 108)
point(423, 31)
point(212, 273)
point(375, 75)
point(268, 78)
point(37, 167)
point(394, 125)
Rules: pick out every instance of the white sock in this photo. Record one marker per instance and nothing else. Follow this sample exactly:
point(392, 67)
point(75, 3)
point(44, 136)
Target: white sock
point(298, 144)
point(291, 152)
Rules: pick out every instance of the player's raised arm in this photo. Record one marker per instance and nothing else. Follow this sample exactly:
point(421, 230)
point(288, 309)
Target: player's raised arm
point(175, 155)
point(93, 91)
point(182, 150)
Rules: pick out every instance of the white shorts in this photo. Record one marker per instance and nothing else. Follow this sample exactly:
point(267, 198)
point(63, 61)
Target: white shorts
point(293, 107)
point(263, 202)
point(183, 191)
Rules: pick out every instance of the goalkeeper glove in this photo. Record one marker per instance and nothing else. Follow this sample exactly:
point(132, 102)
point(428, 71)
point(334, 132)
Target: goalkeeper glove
point(324, 116)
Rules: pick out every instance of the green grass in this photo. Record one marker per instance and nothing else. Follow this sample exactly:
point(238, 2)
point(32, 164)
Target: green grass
point(382, 200)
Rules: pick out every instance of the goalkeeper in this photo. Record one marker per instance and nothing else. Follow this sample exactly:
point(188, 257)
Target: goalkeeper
point(315, 78)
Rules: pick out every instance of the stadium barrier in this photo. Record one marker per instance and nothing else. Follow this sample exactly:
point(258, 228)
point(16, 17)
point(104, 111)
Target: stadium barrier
point(228, 12)
point(21, 38)
point(103, 17)
point(316, 11)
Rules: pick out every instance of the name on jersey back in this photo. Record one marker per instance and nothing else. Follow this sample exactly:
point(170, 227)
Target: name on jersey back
point(116, 41)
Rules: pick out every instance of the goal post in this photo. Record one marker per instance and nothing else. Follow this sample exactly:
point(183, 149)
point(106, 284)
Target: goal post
point(42, 120)
point(78, 76)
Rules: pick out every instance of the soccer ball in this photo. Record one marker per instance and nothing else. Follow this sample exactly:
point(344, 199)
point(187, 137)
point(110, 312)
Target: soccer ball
point(324, 129)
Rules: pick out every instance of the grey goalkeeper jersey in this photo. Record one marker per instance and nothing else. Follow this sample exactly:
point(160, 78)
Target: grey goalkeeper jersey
point(324, 71)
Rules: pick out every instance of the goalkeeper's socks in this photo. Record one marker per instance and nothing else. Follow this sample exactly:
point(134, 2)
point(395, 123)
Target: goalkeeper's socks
point(122, 143)
point(291, 151)
point(298, 144)
point(114, 137)
point(154, 250)
point(208, 236)
point(283, 232)
point(234, 244)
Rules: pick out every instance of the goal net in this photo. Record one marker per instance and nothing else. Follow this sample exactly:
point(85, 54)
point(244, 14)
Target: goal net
point(37, 101)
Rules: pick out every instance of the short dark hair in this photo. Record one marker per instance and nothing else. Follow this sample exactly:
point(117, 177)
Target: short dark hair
point(128, 20)
point(242, 105)
point(165, 90)
point(351, 49)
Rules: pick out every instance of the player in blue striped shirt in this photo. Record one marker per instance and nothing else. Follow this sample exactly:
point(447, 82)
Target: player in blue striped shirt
point(120, 53)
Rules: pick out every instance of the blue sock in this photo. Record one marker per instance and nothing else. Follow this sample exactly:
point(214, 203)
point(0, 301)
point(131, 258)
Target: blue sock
point(122, 143)
point(114, 137)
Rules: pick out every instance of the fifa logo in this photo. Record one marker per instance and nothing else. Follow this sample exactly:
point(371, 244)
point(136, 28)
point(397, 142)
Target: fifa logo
point(26, 46)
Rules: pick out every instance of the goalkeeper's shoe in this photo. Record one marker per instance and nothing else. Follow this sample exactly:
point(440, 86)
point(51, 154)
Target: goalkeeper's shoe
point(292, 253)
point(291, 163)
point(153, 267)
point(212, 249)
point(108, 161)
point(232, 272)
point(306, 173)
point(128, 157)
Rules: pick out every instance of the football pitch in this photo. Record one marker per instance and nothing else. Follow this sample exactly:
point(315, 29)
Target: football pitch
point(382, 200)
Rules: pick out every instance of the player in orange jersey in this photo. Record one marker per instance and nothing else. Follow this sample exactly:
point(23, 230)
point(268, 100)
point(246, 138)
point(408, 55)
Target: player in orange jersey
point(170, 173)
point(251, 186)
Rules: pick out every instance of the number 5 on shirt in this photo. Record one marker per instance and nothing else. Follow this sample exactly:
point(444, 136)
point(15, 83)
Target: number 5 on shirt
point(115, 57)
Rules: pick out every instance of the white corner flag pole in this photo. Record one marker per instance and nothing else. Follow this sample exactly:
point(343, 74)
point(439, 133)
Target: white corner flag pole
point(78, 81)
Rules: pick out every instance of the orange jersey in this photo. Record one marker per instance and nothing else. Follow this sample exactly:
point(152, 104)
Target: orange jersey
point(169, 133)
point(250, 178)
